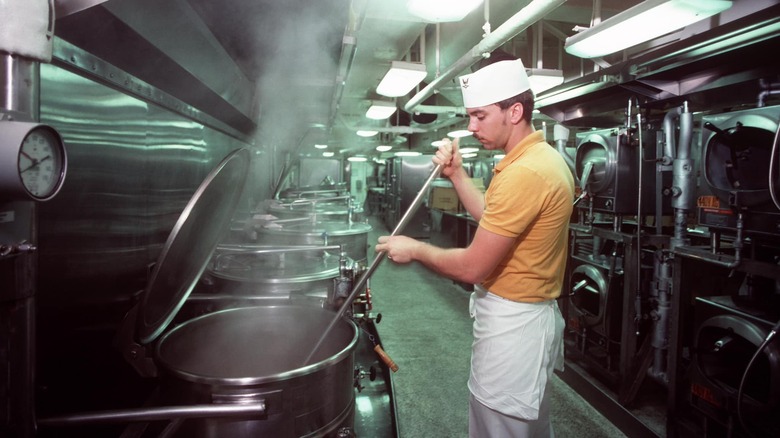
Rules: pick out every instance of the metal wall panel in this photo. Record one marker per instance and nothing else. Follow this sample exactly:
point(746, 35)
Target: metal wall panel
point(132, 168)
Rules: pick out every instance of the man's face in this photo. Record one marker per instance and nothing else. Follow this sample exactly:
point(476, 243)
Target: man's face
point(490, 125)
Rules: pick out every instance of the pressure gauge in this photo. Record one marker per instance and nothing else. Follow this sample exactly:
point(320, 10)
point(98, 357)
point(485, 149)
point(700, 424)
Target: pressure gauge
point(32, 161)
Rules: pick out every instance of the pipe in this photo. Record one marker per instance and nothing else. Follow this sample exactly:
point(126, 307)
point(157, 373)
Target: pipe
point(438, 49)
point(440, 109)
point(773, 169)
point(686, 132)
point(683, 178)
point(533, 12)
point(659, 341)
point(19, 86)
point(380, 256)
point(669, 142)
point(738, 244)
point(639, 220)
point(560, 137)
point(767, 89)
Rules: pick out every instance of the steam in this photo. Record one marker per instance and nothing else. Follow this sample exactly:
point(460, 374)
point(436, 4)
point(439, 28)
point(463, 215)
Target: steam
point(298, 74)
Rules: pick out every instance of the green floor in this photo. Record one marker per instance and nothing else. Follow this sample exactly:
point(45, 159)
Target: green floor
point(426, 330)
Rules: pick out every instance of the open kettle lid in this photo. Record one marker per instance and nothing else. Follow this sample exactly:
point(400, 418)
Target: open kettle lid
point(189, 246)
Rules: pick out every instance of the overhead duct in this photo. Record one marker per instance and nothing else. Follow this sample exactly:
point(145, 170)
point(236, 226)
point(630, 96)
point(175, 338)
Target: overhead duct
point(524, 18)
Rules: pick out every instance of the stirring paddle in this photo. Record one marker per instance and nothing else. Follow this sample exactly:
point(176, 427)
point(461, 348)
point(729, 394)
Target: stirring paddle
point(375, 264)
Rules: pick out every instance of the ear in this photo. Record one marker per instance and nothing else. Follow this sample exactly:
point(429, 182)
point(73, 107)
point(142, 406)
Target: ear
point(516, 113)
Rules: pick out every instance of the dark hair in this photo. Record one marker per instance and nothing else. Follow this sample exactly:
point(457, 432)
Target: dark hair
point(525, 98)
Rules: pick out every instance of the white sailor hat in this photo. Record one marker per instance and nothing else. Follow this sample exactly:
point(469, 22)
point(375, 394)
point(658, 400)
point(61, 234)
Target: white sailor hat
point(494, 83)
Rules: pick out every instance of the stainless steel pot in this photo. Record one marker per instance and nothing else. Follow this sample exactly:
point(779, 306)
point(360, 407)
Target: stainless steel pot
point(250, 270)
point(256, 355)
point(352, 236)
point(331, 208)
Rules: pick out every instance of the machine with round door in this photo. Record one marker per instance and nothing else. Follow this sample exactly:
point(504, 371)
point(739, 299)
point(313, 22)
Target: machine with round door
point(740, 168)
point(595, 308)
point(607, 164)
point(726, 337)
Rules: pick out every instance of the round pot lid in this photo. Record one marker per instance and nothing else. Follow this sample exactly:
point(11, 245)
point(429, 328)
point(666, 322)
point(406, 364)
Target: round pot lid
point(267, 264)
point(190, 244)
point(331, 228)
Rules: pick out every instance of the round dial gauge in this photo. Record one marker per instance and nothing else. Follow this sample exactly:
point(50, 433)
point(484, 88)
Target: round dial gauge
point(32, 161)
point(41, 162)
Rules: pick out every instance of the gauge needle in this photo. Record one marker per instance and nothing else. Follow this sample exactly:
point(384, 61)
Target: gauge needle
point(34, 162)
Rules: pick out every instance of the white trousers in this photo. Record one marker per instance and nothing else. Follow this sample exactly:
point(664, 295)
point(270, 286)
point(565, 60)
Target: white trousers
point(487, 423)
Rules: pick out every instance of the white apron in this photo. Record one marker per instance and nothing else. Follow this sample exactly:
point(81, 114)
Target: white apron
point(516, 348)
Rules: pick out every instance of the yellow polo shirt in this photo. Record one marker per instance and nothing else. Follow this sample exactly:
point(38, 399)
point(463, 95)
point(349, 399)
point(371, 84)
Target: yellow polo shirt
point(530, 199)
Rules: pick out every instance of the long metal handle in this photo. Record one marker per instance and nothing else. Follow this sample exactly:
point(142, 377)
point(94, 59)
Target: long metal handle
point(155, 414)
point(380, 256)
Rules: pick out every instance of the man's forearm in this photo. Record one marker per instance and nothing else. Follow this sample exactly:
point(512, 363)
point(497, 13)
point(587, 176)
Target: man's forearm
point(470, 196)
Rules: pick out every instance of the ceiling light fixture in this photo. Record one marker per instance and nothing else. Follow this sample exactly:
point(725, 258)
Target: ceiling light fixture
point(459, 133)
point(470, 155)
point(468, 150)
point(383, 148)
point(542, 79)
point(648, 20)
point(321, 146)
point(440, 11)
point(380, 110)
point(367, 133)
point(401, 78)
point(437, 143)
point(407, 154)
point(357, 159)
point(327, 154)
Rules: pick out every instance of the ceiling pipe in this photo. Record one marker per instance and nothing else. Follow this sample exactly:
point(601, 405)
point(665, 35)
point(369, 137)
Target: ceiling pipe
point(440, 109)
point(519, 22)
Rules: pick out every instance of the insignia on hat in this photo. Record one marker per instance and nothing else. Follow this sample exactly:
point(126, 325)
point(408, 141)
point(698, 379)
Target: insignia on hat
point(464, 82)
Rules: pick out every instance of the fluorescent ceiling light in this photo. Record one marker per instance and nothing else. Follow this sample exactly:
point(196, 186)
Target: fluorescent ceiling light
point(499, 156)
point(468, 150)
point(367, 133)
point(542, 79)
point(401, 78)
point(470, 155)
point(437, 143)
point(357, 159)
point(439, 11)
point(321, 146)
point(643, 22)
point(380, 110)
point(459, 133)
point(327, 154)
point(407, 154)
point(383, 148)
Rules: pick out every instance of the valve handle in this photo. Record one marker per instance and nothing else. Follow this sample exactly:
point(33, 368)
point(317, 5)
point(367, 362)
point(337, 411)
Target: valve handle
point(385, 358)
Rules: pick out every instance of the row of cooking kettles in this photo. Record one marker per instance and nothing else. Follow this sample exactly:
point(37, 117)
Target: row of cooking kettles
point(253, 331)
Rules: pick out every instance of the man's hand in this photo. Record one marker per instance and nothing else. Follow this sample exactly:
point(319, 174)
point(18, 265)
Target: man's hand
point(449, 156)
point(399, 249)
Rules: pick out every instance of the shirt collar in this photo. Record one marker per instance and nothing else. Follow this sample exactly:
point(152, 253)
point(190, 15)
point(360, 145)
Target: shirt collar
point(518, 150)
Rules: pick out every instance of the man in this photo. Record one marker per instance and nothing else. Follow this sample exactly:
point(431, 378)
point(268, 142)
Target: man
point(516, 259)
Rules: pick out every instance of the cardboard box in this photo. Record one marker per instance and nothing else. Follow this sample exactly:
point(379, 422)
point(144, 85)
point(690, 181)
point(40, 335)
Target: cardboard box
point(443, 198)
